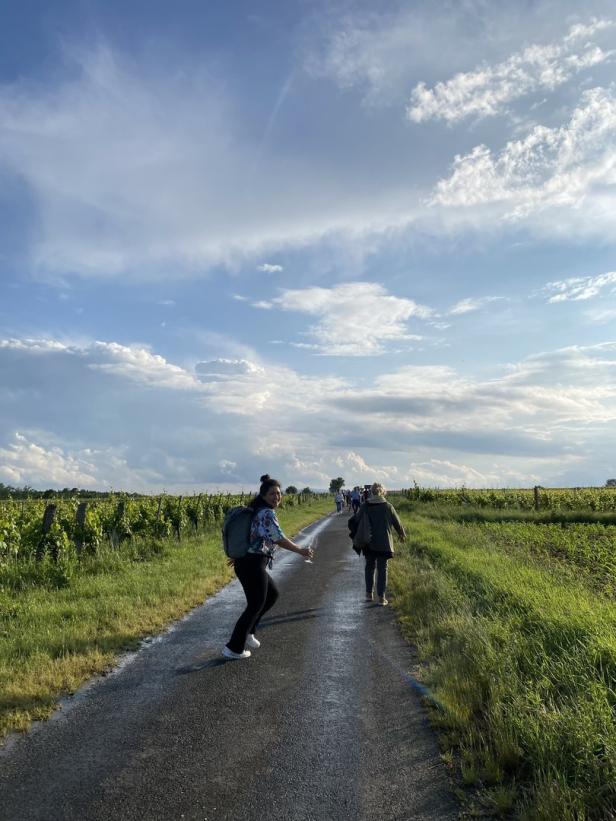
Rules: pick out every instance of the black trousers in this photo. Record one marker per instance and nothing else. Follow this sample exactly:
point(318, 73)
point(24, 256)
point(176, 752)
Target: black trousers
point(380, 562)
point(261, 594)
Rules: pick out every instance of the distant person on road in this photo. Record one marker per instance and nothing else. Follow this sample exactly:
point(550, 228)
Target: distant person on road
point(339, 501)
point(383, 519)
point(251, 569)
point(355, 499)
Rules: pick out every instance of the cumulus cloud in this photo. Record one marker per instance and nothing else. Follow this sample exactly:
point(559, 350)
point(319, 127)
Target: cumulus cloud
point(25, 462)
point(138, 363)
point(215, 369)
point(579, 288)
point(551, 168)
point(486, 91)
point(355, 318)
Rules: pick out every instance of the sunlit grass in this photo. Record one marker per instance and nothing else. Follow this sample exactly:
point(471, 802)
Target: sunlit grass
point(521, 658)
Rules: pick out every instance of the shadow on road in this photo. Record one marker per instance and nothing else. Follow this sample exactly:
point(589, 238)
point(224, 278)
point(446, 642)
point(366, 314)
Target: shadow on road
point(298, 615)
point(201, 665)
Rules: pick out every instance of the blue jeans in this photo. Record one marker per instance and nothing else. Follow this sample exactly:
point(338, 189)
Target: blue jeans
point(373, 560)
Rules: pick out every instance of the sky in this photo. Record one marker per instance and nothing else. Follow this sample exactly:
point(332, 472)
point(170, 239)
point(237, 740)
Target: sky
point(309, 239)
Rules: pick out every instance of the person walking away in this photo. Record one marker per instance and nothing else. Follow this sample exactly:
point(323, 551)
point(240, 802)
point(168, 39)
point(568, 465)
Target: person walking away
point(339, 501)
point(251, 569)
point(383, 521)
point(355, 499)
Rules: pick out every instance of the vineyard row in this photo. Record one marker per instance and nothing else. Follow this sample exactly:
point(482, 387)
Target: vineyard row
point(33, 529)
point(599, 499)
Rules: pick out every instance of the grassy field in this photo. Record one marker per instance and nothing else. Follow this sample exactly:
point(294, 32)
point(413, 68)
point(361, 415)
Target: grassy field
point(60, 625)
point(515, 620)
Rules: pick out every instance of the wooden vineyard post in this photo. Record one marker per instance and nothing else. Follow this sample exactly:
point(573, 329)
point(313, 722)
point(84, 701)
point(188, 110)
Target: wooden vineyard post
point(178, 525)
point(81, 521)
point(115, 535)
point(160, 501)
point(537, 500)
point(48, 516)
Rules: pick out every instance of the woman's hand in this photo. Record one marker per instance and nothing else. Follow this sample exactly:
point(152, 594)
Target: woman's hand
point(306, 552)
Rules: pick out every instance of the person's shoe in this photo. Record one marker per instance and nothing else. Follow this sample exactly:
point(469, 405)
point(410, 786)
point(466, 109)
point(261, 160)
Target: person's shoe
point(383, 601)
point(229, 654)
point(369, 597)
point(252, 641)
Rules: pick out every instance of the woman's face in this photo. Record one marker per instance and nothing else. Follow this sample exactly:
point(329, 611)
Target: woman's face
point(273, 496)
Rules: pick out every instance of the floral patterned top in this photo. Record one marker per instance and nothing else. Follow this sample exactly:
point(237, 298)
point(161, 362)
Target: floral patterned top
point(265, 530)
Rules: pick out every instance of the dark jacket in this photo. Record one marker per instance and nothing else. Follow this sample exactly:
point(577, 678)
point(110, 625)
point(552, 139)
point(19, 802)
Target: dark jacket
point(383, 518)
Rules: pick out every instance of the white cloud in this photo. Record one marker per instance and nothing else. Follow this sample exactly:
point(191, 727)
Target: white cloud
point(25, 462)
point(465, 306)
point(216, 369)
point(487, 90)
point(139, 364)
point(228, 467)
point(555, 170)
point(140, 427)
point(132, 169)
point(443, 473)
point(355, 318)
point(578, 288)
point(601, 316)
point(268, 268)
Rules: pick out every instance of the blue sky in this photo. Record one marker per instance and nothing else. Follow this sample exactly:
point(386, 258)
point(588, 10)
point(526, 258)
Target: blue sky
point(309, 239)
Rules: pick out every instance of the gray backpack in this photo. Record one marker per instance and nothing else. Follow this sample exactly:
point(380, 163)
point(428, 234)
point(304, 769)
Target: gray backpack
point(236, 531)
point(363, 535)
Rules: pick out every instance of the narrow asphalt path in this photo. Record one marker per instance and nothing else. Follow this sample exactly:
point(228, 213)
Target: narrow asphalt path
point(321, 722)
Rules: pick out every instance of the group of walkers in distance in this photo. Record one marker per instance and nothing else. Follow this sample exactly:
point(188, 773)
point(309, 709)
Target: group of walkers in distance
point(371, 527)
point(352, 499)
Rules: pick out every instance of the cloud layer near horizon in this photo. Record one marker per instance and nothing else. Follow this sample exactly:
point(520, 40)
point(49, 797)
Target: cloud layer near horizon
point(138, 421)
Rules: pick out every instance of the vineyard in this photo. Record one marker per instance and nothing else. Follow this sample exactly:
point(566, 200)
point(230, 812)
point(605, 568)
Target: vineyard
point(600, 499)
point(63, 529)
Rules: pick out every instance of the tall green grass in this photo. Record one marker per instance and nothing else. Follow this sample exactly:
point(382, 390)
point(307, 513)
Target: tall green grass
point(62, 623)
point(522, 660)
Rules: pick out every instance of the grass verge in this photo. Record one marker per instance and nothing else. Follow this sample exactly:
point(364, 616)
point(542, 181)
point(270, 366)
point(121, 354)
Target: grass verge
point(523, 663)
point(55, 636)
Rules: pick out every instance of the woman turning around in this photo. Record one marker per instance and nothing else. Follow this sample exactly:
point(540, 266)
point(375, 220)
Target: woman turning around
point(251, 569)
point(383, 520)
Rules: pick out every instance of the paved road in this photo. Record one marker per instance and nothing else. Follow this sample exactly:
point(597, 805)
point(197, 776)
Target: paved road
point(320, 723)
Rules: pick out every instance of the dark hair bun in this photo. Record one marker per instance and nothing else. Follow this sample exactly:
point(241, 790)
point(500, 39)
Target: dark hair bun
point(265, 478)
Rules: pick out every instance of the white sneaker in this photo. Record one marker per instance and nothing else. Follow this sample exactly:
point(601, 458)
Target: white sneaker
point(252, 641)
point(229, 654)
